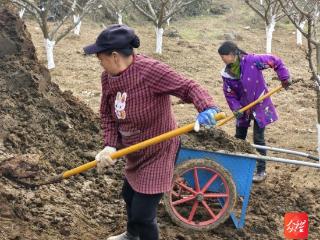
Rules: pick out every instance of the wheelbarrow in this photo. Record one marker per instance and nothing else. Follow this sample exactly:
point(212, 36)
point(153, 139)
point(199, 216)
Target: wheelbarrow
point(207, 184)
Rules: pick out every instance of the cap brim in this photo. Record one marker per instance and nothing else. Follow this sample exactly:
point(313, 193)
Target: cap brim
point(92, 49)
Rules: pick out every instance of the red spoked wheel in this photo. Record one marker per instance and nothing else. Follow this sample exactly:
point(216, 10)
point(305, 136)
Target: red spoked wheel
point(202, 195)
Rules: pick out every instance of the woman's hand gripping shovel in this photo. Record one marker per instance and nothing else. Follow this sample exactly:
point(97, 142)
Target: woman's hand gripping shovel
point(250, 105)
point(220, 117)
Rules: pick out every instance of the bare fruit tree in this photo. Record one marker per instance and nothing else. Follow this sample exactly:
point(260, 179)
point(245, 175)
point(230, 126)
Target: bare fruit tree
point(310, 10)
point(56, 31)
point(270, 11)
point(115, 8)
point(160, 12)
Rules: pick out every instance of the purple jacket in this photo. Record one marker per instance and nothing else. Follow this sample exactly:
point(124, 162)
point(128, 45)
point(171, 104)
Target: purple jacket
point(251, 85)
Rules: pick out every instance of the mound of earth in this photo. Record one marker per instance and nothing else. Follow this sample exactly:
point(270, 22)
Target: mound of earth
point(215, 139)
point(44, 131)
point(35, 116)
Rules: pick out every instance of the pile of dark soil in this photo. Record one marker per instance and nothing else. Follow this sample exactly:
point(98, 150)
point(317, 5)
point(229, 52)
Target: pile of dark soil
point(35, 116)
point(215, 139)
point(46, 131)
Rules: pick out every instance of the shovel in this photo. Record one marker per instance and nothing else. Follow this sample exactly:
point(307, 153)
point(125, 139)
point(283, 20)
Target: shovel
point(250, 105)
point(220, 117)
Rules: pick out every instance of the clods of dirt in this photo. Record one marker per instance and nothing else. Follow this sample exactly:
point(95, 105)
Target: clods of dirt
point(46, 131)
point(215, 139)
point(35, 115)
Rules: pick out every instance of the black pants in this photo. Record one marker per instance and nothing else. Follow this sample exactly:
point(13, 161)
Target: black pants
point(141, 212)
point(258, 138)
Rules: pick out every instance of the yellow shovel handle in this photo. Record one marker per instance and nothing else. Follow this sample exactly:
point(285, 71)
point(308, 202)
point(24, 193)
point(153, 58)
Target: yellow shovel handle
point(250, 105)
point(139, 146)
point(165, 136)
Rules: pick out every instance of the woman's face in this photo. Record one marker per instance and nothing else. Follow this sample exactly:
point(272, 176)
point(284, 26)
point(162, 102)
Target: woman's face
point(227, 59)
point(109, 62)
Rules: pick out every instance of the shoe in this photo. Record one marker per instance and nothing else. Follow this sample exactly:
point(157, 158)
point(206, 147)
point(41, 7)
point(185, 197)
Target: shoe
point(123, 236)
point(259, 177)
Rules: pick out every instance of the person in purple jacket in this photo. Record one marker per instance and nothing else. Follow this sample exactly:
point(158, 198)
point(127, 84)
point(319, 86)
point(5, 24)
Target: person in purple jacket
point(243, 83)
point(136, 106)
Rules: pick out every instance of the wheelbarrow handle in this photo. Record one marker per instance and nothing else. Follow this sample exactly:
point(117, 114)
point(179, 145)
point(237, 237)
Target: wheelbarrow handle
point(137, 147)
point(250, 105)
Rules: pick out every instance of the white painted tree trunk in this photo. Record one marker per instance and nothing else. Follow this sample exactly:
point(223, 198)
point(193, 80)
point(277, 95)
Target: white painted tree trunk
point(119, 17)
point(269, 34)
point(49, 50)
point(318, 113)
point(168, 21)
point(77, 28)
point(159, 35)
point(21, 12)
point(318, 126)
point(299, 34)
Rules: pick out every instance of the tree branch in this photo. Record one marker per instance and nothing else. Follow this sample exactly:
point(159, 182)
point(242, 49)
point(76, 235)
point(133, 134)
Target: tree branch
point(309, 54)
point(27, 7)
point(177, 8)
point(151, 9)
point(62, 21)
point(161, 13)
point(296, 24)
point(255, 9)
point(154, 20)
point(87, 8)
point(299, 9)
point(31, 4)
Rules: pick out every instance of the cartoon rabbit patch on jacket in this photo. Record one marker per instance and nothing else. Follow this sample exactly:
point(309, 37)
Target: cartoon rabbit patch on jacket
point(120, 104)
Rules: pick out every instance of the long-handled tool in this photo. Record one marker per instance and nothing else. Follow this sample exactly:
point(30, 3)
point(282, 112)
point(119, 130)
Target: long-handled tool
point(250, 105)
point(136, 147)
point(131, 149)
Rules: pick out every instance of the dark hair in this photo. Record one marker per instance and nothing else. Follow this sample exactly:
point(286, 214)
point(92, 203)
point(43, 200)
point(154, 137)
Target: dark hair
point(229, 47)
point(128, 51)
point(135, 42)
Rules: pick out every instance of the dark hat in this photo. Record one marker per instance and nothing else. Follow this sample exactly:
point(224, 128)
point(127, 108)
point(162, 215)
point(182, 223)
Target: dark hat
point(116, 36)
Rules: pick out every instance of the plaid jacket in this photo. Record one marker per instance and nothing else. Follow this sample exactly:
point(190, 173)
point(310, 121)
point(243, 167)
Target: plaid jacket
point(136, 106)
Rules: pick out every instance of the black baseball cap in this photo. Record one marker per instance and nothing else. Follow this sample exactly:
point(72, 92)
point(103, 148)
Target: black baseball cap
point(116, 36)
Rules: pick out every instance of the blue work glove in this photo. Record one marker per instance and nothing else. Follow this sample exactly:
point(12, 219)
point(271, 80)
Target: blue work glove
point(206, 118)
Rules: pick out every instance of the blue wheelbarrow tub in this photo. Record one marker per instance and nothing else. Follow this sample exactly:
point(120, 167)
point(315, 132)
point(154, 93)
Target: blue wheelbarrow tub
point(241, 168)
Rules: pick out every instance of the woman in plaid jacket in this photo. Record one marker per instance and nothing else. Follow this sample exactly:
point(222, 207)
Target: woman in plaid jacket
point(136, 106)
